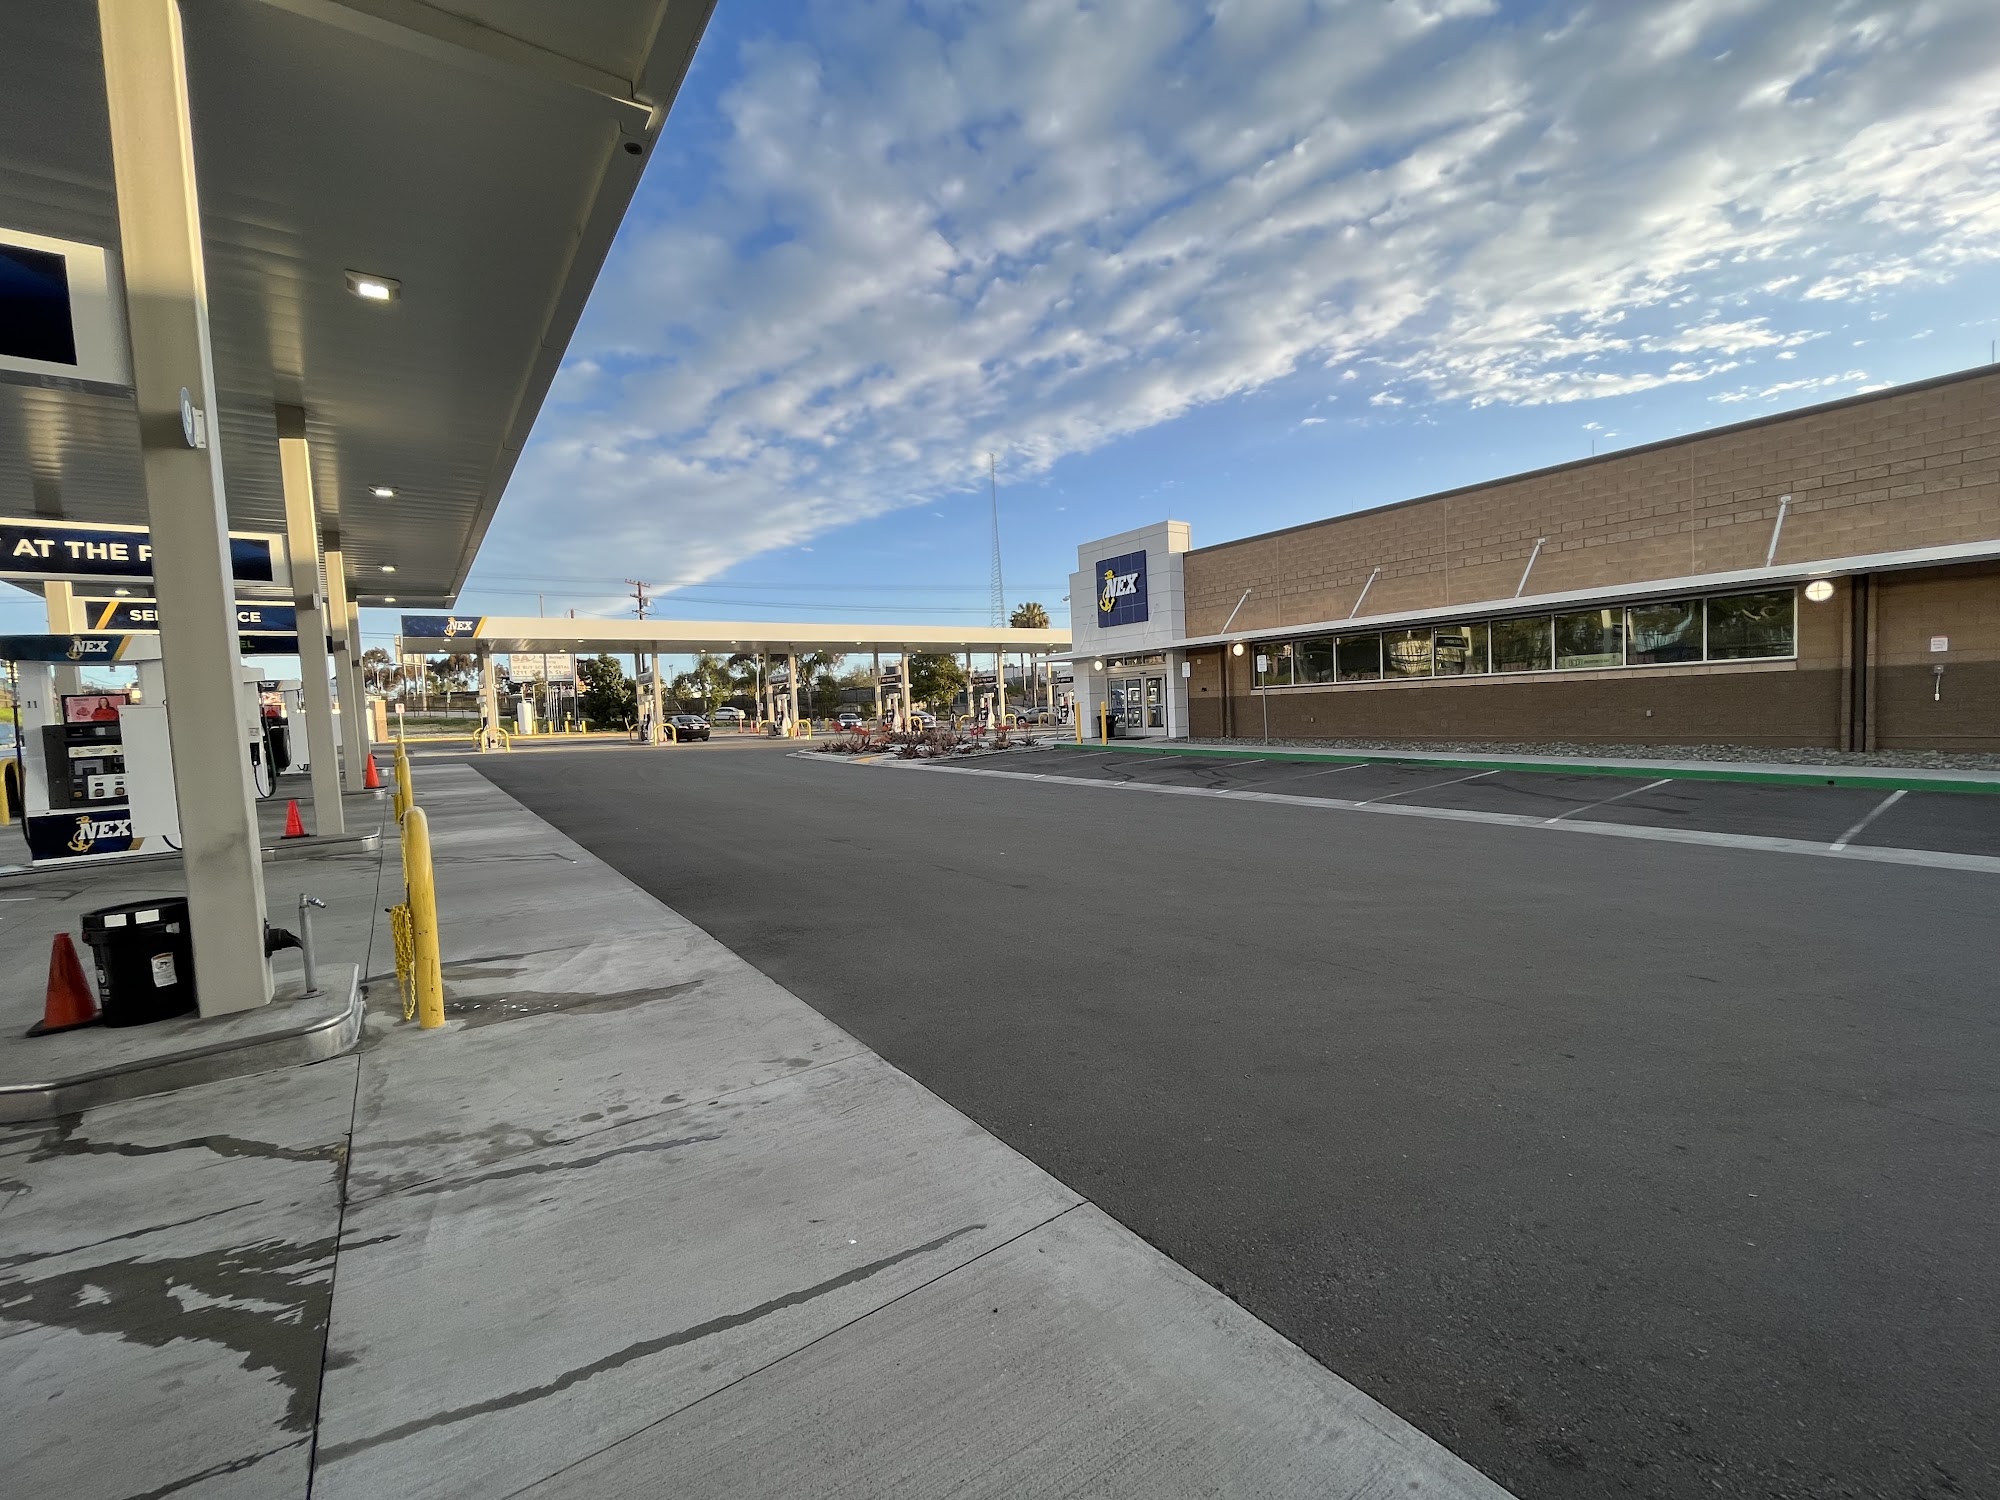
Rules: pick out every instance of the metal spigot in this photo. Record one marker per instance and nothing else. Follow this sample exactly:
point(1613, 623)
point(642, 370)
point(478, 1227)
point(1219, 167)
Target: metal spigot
point(306, 905)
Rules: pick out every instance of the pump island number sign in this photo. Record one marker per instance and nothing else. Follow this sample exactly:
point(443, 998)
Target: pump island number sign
point(1121, 590)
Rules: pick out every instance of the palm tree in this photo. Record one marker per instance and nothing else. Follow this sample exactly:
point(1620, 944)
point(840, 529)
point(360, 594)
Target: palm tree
point(1030, 616)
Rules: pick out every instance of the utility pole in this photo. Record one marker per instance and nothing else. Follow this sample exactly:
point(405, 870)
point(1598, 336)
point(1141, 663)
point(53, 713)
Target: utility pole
point(999, 588)
point(639, 607)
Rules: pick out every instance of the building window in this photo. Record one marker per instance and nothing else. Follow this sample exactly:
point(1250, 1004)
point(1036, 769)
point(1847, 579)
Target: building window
point(1733, 627)
point(1521, 645)
point(1406, 653)
point(1743, 626)
point(1656, 634)
point(1359, 657)
point(1590, 638)
point(1274, 665)
point(1460, 650)
point(1315, 661)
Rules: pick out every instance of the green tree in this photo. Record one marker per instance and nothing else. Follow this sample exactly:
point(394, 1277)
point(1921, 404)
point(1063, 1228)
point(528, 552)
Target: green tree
point(1029, 616)
point(935, 680)
point(608, 696)
point(379, 672)
point(450, 671)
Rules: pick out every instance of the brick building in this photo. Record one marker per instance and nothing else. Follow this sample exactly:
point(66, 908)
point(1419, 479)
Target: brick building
point(1826, 578)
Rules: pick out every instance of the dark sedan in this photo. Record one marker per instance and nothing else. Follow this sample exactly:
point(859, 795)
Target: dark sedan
point(688, 726)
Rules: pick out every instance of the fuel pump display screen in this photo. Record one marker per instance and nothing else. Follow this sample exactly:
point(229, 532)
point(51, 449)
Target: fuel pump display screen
point(92, 708)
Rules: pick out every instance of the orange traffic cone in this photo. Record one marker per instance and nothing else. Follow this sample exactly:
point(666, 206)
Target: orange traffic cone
point(295, 826)
point(69, 1003)
point(371, 779)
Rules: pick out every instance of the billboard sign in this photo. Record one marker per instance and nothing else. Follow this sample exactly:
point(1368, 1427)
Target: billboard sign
point(44, 550)
point(1121, 590)
point(549, 666)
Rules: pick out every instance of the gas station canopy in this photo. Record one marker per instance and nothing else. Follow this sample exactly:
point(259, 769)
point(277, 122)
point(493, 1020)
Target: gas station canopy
point(470, 162)
point(501, 634)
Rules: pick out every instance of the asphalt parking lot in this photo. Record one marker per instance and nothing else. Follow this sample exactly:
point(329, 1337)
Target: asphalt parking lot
point(1857, 817)
point(1621, 1165)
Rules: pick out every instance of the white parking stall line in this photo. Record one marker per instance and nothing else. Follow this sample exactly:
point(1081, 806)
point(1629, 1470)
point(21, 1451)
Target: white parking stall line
point(1630, 791)
point(1881, 807)
point(1430, 786)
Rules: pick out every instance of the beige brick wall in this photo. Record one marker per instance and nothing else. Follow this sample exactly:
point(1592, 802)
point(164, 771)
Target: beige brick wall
point(1914, 467)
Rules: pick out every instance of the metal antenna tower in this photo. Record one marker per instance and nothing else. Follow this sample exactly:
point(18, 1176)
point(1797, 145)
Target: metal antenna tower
point(999, 588)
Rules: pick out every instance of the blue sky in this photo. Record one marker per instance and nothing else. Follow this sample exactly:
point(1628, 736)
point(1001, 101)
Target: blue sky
point(1245, 263)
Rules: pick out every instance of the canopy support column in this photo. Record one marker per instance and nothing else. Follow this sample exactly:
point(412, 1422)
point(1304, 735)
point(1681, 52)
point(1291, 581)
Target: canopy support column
point(316, 687)
point(166, 301)
point(344, 618)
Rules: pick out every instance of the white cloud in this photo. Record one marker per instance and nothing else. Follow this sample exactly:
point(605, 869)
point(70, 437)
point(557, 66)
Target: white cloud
point(927, 232)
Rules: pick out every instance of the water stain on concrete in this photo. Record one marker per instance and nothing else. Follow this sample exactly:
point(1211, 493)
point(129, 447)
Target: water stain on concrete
point(537, 1169)
point(334, 1452)
point(488, 1010)
point(213, 1471)
point(59, 1138)
point(266, 1301)
point(112, 1239)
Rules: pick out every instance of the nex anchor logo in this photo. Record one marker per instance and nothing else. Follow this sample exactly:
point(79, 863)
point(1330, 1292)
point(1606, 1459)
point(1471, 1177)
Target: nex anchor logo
point(453, 626)
point(1121, 590)
point(89, 830)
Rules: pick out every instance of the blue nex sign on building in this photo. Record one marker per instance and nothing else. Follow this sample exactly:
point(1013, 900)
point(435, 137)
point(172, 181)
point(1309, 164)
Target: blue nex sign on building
point(1121, 590)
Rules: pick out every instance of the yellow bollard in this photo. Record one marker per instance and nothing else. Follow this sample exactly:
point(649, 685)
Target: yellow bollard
point(10, 790)
point(1104, 722)
point(1076, 712)
point(423, 918)
point(405, 796)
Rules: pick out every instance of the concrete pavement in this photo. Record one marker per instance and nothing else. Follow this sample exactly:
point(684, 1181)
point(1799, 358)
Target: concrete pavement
point(638, 1222)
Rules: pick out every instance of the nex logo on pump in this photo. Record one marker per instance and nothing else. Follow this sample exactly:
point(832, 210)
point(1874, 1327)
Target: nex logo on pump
point(1121, 590)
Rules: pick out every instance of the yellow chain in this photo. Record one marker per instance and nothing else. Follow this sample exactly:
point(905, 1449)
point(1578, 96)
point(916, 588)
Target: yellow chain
point(404, 931)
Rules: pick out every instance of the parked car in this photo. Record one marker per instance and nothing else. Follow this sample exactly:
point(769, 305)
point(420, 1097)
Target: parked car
point(847, 718)
point(688, 726)
point(922, 720)
point(728, 716)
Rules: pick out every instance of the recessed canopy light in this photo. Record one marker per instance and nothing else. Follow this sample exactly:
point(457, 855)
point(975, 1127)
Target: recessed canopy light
point(388, 567)
point(122, 593)
point(382, 491)
point(388, 598)
point(374, 288)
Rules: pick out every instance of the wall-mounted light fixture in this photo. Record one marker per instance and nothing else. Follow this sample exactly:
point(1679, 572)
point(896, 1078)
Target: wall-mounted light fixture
point(1820, 590)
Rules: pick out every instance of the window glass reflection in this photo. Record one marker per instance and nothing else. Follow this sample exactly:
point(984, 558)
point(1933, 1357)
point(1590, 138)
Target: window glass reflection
point(1590, 638)
point(1751, 625)
point(1406, 653)
point(1665, 632)
point(1274, 665)
point(1459, 650)
point(1521, 645)
point(1359, 657)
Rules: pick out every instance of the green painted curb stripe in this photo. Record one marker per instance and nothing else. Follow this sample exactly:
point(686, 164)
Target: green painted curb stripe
point(1886, 780)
